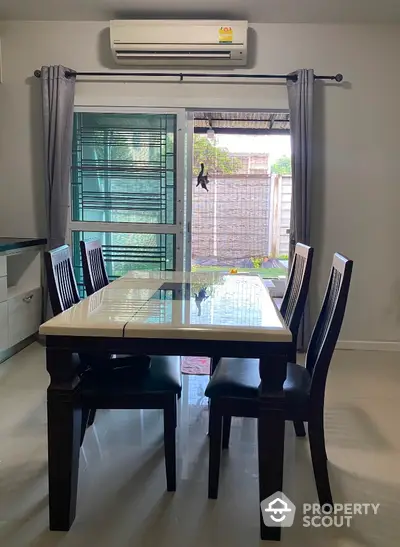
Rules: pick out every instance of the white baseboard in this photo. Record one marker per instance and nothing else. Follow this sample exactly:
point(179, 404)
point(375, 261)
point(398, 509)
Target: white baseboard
point(366, 345)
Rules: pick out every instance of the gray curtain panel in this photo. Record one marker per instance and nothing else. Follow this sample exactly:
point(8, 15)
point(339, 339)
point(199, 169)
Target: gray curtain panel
point(58, 93)
point(301, 107)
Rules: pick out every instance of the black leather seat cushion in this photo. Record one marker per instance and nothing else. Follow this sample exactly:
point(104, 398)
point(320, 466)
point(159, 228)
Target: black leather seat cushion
point(240, 378)
point(163, 375)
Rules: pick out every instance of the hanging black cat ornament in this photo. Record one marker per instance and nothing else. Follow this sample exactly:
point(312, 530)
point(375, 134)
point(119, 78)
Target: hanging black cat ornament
point(202, 180)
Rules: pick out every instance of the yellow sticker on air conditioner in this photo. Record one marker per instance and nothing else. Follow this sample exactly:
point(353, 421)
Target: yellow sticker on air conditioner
point(225, 35)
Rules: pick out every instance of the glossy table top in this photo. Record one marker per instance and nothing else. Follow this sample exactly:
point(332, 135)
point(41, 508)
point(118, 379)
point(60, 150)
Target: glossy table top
point(176, 305)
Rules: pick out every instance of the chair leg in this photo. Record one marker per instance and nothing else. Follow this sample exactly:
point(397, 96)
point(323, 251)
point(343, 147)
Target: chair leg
point(226, 431)
point(84, 423)
point(175, 414)
point(318, 455)
point(213, 364)
point(92, 416)
point(215, 452)
point(88, 417)
point(169, 442)
point(299, 428)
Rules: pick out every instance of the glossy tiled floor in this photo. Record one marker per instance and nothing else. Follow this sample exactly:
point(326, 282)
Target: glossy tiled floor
point(122, 497)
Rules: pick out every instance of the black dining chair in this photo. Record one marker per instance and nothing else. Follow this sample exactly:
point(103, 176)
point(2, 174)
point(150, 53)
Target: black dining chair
point(294, 299)
point(94, 269)
point(63, 290)
point(64, 293)
point(235, 391)
point(113, 382)
point(292, 309)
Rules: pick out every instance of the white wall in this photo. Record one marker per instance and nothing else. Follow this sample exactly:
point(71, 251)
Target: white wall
point(356, 198)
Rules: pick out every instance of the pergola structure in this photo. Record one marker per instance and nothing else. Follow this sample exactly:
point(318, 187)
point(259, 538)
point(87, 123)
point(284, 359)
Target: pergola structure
point(245, 122)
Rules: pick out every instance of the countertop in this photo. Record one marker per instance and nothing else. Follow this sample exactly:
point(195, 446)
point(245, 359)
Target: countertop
point(12, 243)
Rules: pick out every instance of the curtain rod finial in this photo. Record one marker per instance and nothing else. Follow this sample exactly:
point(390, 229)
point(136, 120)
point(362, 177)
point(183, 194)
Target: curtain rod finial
point(339, 77)
point(37, 73)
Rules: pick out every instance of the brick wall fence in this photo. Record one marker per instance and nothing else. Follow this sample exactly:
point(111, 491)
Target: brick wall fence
point(242, 216)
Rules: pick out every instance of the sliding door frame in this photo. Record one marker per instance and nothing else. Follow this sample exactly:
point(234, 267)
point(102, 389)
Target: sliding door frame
point(178, 228)
point(189, 139)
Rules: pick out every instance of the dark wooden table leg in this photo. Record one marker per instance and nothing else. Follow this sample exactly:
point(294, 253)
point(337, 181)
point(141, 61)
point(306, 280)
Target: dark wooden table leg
point(271, 433)
point(64, 420)
point(169, 442)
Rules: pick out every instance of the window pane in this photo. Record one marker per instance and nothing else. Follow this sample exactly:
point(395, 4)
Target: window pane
point(124, 168)
point(124, 252)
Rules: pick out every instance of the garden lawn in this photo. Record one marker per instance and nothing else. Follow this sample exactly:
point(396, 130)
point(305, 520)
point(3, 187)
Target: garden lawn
point(263, 272)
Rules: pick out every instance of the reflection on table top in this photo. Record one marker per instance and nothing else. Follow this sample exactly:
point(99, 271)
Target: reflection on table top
point(176, 305)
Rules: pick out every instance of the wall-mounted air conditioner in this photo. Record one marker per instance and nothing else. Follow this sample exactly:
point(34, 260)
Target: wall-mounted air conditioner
point(179, 42)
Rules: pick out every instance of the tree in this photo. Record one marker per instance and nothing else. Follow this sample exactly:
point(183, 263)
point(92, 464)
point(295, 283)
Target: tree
point(282, 166)
point(217, 160)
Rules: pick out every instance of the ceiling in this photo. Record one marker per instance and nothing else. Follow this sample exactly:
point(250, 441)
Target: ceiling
point(261, 11)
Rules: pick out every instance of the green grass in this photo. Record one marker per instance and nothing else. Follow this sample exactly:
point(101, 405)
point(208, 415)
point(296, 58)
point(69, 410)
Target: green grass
point(263, 272)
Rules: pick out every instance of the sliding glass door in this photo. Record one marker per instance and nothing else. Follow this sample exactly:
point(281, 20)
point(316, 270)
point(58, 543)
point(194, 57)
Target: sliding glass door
point(128, 188)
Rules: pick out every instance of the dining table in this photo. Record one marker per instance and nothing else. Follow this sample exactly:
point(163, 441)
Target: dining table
point(212, 314)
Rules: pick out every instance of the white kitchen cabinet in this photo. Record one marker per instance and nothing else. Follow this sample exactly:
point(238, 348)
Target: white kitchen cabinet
point(21, 293)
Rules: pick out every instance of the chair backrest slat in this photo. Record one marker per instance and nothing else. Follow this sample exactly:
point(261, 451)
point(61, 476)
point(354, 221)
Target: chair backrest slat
point(327, 328)
point(296, 293)
point(94, 269)
point(61, 279)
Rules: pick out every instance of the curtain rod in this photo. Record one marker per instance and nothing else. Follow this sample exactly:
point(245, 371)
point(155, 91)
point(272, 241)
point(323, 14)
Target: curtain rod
point(182, 75)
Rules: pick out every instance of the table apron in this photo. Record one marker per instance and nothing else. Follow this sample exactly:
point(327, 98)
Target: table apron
point(166, 346)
